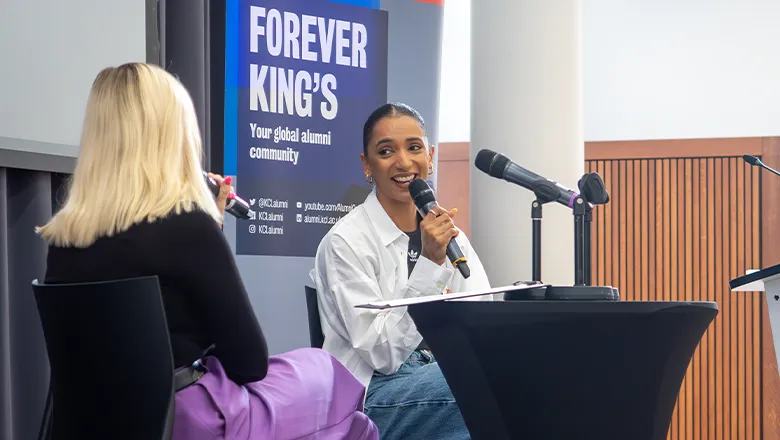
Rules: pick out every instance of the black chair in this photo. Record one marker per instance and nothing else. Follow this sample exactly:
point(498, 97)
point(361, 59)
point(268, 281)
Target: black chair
point(111, 360)
point(315, 327)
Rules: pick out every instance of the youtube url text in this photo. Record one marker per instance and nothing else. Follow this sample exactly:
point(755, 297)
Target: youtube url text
point(328, 207)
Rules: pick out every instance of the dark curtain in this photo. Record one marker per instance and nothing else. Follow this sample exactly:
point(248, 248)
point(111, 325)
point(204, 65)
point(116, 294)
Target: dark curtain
point(27, 199)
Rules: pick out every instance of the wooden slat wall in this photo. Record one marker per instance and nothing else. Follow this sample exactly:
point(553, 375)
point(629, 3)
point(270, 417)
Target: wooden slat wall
point(678, 229)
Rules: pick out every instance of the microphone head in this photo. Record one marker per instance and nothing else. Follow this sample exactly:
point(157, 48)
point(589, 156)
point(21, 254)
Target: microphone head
point(752, 160)
point(421, 192)
point(240, 208)
point(593, 189)
point(491, 163)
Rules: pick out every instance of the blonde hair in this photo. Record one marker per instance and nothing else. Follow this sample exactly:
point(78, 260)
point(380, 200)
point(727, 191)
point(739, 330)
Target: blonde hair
point(140, 158)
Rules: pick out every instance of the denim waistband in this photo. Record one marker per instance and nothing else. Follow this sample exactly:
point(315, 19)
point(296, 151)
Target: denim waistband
point(424, 356)
point(421, 356)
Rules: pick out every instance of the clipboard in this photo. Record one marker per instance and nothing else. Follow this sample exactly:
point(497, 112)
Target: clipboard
point(403, 302)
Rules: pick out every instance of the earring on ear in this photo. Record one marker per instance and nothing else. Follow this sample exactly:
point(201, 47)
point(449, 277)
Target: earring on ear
point(430, 169)
point(369, 179)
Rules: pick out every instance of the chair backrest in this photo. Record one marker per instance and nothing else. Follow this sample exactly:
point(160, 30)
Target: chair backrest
point(315, 327)
point(110, 356)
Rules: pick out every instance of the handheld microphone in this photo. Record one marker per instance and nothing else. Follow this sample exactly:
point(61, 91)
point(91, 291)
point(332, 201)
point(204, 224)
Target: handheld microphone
point(499, 166)
point(235, 205)
point(425, 200)
point(753, 160)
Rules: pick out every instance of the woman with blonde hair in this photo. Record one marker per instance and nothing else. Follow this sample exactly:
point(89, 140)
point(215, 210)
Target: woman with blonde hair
point(138, 205)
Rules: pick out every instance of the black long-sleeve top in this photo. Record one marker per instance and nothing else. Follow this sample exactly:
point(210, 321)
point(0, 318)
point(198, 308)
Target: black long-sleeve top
point(204, 298)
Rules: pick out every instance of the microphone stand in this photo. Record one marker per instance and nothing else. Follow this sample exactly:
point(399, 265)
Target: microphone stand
point(536, 234)
point(583, 217)
point(582, 290)
point(545, 192)
point(772, 170)
point(756, 162)
point(586, 268)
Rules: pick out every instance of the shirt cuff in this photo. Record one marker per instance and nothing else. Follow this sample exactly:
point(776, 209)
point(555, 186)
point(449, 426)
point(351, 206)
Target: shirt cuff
point(429, 278)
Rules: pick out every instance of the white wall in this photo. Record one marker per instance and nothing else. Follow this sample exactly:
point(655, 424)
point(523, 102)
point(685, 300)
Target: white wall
point(652, 69)
point(50, 52)
point(665, 69)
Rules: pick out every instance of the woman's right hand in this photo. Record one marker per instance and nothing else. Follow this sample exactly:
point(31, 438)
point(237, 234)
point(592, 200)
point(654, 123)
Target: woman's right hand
point(437, 230)
point(225, 189)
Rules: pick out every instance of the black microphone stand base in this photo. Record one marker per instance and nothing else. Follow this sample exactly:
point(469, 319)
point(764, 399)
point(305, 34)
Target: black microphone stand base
point(564, 293)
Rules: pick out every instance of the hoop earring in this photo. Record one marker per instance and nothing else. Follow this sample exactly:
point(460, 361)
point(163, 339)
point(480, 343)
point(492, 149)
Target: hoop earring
point(369, 179)
point(430, 169)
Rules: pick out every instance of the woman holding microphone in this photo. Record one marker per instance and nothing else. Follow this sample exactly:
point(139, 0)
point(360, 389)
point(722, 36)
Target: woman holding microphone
point(384, 250)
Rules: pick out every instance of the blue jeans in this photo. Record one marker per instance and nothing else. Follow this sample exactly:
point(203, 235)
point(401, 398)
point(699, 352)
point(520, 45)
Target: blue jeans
point(415, 403)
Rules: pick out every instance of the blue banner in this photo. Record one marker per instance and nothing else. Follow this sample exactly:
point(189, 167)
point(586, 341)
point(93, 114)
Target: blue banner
point(301, 77)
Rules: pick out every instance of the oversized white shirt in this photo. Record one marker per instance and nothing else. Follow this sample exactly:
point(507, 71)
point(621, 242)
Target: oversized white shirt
point(363, 259)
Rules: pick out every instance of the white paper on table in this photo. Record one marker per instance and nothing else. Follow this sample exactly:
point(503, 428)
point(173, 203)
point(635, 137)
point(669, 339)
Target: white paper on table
point(446, 297)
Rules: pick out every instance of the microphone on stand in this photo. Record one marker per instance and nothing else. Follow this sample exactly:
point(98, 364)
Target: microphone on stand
point(592, 192)
point(236, 206)
point(499, 166)
point(592, 188)
point(756, 162)
point(423, 197)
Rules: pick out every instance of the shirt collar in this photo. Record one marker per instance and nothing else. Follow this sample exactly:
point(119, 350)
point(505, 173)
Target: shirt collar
point(385, 227)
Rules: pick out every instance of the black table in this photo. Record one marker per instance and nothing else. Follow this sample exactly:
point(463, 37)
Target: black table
point(554, 370)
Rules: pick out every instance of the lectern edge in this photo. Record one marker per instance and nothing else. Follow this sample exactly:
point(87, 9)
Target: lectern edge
point(766, 280)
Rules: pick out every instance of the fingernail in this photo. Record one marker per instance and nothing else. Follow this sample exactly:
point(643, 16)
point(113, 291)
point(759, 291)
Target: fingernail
point(454, 209)
point(228, 179)
point(232, 195)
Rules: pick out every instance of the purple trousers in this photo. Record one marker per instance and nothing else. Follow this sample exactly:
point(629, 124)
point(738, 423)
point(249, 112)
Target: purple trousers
point(307, 394)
